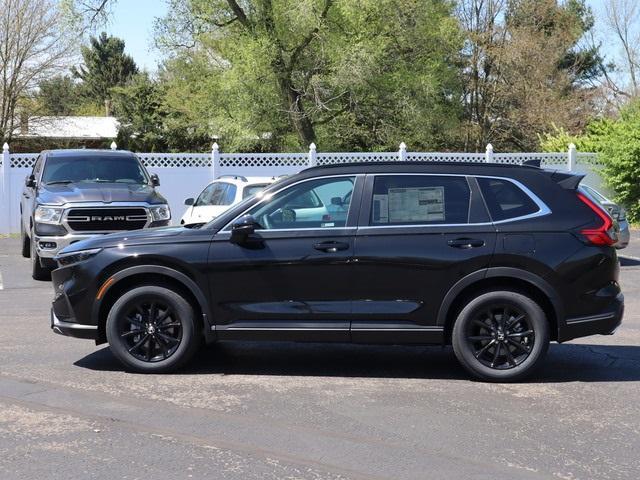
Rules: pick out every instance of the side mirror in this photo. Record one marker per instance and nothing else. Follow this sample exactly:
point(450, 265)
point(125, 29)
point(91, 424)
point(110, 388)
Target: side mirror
point(30, 181)
point(336, 201)
point(189, 201)
point(155, 180)
point(242, 228)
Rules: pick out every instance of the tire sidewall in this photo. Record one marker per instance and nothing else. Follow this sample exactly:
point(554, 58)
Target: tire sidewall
point(539, 324)
point(182, 309)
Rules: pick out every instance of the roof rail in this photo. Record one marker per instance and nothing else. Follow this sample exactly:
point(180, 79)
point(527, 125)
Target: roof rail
point(236, 177)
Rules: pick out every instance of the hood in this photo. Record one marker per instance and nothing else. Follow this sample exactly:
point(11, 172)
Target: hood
point(98, 192)
point(133, 237)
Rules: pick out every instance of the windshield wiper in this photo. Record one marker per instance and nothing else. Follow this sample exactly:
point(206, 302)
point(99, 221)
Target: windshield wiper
point(59, 182)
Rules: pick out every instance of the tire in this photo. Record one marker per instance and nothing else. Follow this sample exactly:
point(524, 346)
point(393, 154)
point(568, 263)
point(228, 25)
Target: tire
point(501, 336)
point(170, 341)
point(38, 272)
point(25, 242)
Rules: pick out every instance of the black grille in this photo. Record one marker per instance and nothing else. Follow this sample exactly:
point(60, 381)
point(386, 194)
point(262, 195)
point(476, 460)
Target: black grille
point(106, 219)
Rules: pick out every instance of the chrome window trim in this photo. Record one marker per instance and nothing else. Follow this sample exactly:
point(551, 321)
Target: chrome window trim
point(271, 195)
point(543, 209)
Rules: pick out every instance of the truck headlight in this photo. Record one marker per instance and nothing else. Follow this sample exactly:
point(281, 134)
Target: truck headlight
point(51, 215)
point(160, 212)
point(66, 259)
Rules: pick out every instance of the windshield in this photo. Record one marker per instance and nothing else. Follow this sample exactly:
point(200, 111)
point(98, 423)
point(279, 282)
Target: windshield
point(250, 190)
point(94, 168)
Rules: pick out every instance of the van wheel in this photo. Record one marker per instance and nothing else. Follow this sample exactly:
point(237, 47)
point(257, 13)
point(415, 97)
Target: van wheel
point(151, 329)
point(501, 336)
point(38, 272)
point(24, 242)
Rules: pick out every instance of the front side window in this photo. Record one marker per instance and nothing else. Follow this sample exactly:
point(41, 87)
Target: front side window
point(419, 199)
point(322, 203)
point(505, 199)
point(205, 197)
point(94, 169)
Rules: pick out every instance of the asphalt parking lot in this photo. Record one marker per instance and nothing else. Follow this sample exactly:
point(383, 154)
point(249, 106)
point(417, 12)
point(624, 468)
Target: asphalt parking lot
point(306, 411)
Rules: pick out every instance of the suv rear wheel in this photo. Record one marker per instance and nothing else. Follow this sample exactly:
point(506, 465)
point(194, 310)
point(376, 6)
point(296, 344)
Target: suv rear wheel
point(501, 336)
point(151, 329)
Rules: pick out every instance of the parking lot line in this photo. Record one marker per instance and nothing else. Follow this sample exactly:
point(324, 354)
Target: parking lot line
point(1, 287)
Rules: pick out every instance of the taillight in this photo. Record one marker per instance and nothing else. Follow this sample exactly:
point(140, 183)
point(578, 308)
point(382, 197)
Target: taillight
point(605, 233)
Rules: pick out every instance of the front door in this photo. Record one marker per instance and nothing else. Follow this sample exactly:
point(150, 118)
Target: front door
point(291, 279)
point(418, 235)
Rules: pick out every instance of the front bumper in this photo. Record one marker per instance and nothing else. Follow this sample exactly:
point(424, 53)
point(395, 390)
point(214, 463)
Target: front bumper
point(72, 329)
point(602, 323)
point(60, 242)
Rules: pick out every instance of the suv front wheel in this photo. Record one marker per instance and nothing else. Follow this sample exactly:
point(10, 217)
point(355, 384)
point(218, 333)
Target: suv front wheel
point(501, 336)
point(151, 329)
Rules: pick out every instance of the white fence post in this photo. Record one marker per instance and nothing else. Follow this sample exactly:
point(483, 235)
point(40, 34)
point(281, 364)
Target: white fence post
point(114, 146)
point(5, 191)
point(488, 154)
point(572, 157)
point(313, 155)
point(215, 160)
point(402, 153)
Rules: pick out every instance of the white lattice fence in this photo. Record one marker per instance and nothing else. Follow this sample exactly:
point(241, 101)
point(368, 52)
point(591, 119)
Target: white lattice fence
point(184, 175)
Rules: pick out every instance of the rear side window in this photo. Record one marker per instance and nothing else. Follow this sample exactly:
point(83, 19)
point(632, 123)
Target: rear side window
point(419, 199)
point(505, 199)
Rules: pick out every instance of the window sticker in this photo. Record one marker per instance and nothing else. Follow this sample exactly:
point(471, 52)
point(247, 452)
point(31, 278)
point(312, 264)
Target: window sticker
point(420, 204)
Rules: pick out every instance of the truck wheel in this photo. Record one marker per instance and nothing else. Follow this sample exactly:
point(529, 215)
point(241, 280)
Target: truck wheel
point(501, 336)
point(38, 272)
point(24, 242)
point(151, 329)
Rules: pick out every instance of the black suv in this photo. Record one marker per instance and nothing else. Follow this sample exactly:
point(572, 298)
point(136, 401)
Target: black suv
point(72, 195)
point(495, 259)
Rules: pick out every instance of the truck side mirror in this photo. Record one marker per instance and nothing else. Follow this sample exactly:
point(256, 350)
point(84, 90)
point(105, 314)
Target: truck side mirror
point(155, 180)
point(30, 181)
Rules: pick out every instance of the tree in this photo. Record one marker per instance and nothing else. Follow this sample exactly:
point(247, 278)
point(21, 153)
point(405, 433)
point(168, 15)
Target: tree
point(105, 66)
point(58, 96)
point(34, 44)
point(289, 73)
point(524, 68)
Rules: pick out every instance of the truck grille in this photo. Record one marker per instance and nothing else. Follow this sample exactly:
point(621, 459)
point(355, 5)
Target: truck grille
point(106, 219)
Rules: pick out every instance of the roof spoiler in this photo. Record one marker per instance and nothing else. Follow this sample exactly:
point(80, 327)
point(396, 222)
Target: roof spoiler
point(567, 180)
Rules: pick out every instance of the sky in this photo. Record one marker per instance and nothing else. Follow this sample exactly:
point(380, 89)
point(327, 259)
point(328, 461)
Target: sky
point(132, 20)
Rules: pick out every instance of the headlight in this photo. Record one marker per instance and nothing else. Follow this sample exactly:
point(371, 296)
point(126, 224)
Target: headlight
point(160, 212)
point(48, 215)
point(66, 259)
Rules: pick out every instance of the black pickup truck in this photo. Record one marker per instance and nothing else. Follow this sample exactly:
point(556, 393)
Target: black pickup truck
point(72, 195)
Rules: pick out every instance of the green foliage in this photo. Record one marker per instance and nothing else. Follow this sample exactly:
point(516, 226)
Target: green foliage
point(105, 66)
point(348, 75)
point(58, 95)
point(146, 122)
point(618, 145)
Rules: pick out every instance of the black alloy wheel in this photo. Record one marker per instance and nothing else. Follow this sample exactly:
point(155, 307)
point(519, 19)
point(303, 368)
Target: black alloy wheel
point(152, 329)
point(501, 336)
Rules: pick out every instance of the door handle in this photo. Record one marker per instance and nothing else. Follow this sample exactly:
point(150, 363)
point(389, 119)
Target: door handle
point(331, 247)
point(466, 243)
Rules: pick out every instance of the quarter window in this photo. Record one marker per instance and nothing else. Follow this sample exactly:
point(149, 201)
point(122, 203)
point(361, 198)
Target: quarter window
point(322, 203)
point(505, 199)
point(419, 199)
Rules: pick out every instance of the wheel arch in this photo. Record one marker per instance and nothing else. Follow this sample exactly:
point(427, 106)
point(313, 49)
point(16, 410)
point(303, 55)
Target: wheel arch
point(129, 277)
point(506, 278)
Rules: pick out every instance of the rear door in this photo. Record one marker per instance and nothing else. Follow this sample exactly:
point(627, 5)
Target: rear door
point(418, 234)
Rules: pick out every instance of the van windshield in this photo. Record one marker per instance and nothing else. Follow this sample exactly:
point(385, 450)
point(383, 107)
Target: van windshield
point(94, 168)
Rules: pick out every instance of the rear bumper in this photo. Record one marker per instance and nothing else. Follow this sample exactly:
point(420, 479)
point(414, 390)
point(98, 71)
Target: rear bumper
point(602, 323)
point(73, 329)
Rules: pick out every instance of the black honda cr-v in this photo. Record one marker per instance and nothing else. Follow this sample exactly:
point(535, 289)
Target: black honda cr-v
point(495, 259)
